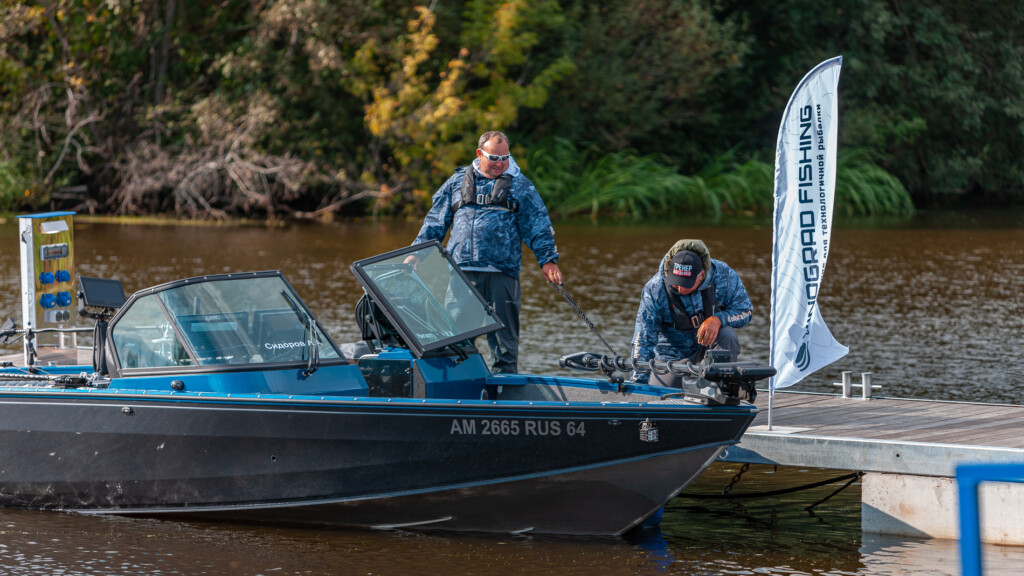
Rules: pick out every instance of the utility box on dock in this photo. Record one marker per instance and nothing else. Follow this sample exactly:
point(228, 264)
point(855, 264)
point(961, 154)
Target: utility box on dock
point(47, 275)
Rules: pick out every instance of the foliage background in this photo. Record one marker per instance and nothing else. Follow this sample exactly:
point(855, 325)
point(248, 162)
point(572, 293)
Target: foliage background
point(316, 108)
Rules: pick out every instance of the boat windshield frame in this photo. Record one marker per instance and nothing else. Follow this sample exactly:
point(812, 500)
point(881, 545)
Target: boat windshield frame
point(291, 313)
point(443, 274)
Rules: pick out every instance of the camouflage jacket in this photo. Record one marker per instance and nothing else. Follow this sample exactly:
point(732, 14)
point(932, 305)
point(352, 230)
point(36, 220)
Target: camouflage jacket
point(491, 236)
point(655, 335)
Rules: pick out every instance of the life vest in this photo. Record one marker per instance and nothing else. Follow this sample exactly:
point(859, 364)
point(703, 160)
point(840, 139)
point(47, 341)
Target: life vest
point(680, 319)
point(499, 195)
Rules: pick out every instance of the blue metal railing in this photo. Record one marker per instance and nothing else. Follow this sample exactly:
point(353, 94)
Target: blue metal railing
point(968, 477)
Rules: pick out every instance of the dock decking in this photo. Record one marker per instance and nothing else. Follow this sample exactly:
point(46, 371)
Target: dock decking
point(922, 437)
point(53, 357)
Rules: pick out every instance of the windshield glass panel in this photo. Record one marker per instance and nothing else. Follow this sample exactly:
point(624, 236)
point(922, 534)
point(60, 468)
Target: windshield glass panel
point(236, 320)
point(431, 299)
point(144, 338)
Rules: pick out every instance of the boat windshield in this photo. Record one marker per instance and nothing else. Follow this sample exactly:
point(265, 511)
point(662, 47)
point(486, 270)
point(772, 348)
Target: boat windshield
point(425, 296)
point(227, 319)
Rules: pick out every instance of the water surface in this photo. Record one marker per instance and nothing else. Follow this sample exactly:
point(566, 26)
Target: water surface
point(698, 536)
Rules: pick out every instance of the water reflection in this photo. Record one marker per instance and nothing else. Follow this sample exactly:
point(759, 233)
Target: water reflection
point(746, 536)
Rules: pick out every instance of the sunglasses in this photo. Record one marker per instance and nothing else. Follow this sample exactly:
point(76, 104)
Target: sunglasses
point(495, 157)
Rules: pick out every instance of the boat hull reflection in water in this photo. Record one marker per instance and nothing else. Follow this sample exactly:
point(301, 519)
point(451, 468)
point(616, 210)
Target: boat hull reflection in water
point(223, 397)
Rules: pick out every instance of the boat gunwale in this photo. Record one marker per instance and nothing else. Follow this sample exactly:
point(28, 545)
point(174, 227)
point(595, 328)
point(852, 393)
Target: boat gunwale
point(327, 400)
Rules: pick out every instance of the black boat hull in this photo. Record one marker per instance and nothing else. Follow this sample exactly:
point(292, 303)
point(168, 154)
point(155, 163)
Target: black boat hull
point(609, 500)
point(469, 465)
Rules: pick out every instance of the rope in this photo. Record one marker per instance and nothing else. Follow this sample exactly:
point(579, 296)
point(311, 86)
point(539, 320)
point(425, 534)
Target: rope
point(851, 477)
point(61, 379)
point(564, 292)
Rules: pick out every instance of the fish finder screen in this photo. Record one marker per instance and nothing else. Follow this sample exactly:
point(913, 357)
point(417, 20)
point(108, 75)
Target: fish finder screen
point(102, 292)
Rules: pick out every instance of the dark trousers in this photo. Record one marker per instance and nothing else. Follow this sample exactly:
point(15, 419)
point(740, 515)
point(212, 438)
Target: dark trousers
point(503, 293)
point(726, 340)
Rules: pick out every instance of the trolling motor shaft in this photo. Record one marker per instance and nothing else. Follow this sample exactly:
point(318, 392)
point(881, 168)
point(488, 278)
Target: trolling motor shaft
point(714, 378)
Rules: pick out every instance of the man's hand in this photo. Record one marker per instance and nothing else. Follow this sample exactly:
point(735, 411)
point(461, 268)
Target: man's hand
point(551, 273)
point(708, 331)
point(412, 259)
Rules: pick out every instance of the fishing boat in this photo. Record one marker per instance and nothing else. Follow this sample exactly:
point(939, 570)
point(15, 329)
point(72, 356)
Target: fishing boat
point(223, 397)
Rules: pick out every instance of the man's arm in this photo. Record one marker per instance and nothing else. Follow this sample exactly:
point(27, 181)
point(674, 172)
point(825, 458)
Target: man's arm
point(439, 219)
point(535, 227)
point(645, 333)
point(736, 309)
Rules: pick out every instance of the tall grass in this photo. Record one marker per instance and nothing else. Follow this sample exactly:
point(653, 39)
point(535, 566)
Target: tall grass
point(622, 184)
point(863, 188)
point(574, 182)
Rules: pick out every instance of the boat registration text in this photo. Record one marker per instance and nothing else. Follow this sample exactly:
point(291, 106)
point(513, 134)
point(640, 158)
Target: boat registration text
point(505, 427)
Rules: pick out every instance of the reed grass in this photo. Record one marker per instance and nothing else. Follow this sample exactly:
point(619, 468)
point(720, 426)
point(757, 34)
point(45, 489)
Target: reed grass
point(622, 184)
point(575, 182)
point(863, 188)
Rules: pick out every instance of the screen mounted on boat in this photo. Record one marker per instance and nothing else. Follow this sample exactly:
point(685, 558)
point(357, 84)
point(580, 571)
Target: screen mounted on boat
point(425, 296)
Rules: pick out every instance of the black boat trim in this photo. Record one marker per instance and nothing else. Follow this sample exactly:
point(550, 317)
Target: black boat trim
point(224, 368)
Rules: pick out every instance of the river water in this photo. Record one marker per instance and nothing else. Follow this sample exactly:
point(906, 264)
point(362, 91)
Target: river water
point(932, 308)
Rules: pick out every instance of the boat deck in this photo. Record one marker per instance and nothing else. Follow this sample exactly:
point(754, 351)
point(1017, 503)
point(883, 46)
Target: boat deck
point(925, 437)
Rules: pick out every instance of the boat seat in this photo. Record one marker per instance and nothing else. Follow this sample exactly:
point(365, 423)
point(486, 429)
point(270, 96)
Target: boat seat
point(387, 377)
point(375, 329)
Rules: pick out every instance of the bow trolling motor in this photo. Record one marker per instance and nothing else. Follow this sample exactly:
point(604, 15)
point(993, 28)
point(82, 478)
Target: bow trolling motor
point(714, 381)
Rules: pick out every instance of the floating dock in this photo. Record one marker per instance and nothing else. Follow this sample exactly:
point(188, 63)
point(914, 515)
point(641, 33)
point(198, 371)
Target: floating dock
point(908, 450)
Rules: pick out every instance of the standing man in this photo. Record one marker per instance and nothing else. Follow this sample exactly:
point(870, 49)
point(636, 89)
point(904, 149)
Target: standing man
point(492, 209)
point(692, 304)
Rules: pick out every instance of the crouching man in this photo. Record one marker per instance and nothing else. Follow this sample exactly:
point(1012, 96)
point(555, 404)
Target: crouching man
point(692, 304)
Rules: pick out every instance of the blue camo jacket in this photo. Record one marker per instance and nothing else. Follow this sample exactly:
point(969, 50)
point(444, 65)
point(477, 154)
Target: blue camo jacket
point(655, 336)
point(484, 236)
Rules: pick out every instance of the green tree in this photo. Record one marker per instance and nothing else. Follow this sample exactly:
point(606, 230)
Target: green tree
point(645, 73)
point(932, 88)
point(431, 116)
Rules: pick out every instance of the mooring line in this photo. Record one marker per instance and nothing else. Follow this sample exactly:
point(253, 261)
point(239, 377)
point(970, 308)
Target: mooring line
point(851, 477)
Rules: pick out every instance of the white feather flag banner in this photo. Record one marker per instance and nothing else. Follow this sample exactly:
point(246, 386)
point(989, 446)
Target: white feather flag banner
point(805, 177)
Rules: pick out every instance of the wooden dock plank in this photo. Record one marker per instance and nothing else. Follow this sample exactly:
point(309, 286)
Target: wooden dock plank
point(879, 424)
point(933, 425)
point(996, 433)
point(882, 434)
point(924, 424)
